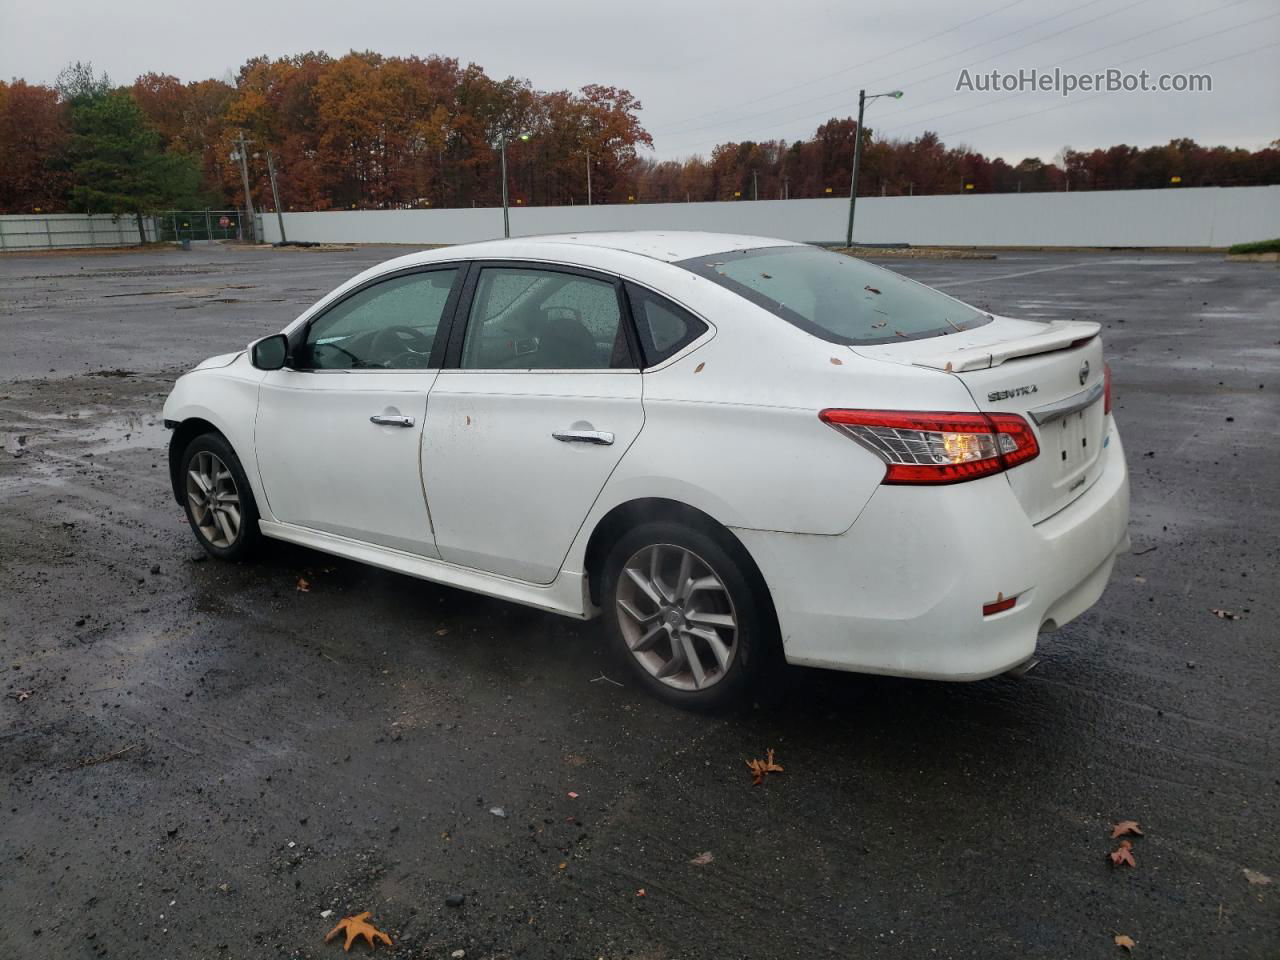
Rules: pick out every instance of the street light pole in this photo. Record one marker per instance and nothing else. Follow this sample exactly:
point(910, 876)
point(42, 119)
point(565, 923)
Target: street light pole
point(502, 147)
point(506, 218)
point(857, 156)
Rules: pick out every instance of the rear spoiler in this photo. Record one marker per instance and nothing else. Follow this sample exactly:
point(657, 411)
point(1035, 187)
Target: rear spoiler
point(1058, 335)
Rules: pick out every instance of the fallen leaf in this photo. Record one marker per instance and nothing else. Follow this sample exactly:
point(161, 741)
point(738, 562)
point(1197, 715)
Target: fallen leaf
point(1256, 878)
point(702, 859)
point(1123, 940)
point(698, 368)
point(304, 585)
point(1224, 614)
point(641, 893)
point(762, 768)
point(575, 760)
point(563, 864)
point(23, 695)
point(837, 362)
point(1123, 854)
point(1126, 827)
point(358, 926)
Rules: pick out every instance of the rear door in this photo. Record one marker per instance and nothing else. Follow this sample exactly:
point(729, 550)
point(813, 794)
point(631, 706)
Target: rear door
point(539, 400)
point(1052, 375)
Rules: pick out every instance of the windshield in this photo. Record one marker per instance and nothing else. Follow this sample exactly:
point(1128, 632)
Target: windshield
point(836, 297)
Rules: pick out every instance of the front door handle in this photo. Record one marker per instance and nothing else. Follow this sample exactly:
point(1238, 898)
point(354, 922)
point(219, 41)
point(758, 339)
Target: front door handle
point(600, 437)
point(389, 420)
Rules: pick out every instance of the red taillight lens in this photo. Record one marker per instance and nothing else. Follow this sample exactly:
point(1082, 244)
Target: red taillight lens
point(1106, 389)
point(933, 448)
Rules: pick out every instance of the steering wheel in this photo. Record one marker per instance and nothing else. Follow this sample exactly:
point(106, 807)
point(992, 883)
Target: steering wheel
point(390, 344)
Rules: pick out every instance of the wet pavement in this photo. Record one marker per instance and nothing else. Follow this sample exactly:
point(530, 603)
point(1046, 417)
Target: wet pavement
point(199, 759)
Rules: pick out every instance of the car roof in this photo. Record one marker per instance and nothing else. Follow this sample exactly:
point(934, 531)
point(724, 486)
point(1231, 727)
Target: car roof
point(599, 249)
point(668, 246)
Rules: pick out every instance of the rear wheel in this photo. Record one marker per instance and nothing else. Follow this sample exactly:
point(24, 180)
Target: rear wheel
point(689, 614)
point(219, 502)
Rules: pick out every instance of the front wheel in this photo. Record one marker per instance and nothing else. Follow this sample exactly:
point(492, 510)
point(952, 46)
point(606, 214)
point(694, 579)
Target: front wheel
point(689, 613)
point(218, 500)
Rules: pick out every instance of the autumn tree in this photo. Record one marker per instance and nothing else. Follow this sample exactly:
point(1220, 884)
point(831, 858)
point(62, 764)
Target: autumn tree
point(33, 143)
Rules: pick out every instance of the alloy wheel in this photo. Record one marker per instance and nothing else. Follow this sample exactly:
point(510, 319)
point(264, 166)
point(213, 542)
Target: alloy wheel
point(676, 617)
point(214, 499)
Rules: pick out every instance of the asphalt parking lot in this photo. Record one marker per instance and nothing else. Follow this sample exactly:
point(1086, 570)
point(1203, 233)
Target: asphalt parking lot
point(199, 760)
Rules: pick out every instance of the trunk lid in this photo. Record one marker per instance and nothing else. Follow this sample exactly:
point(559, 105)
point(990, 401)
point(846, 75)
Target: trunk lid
point(1050, 374)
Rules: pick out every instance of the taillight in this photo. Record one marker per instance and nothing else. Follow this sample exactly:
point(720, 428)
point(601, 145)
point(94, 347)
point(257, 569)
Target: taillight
point(938, 447)
point(1106, 388)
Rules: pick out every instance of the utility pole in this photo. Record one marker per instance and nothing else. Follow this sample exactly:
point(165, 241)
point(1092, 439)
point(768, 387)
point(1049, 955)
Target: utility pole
point(243, 156)
point(275, 193)
point(755, 186)
point(588, 178)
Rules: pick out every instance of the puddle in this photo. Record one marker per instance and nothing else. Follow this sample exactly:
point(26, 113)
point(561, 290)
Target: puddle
point(128, 432)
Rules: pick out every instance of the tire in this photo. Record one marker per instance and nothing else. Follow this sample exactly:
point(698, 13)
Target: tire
point(209, 462)
point(655, 624)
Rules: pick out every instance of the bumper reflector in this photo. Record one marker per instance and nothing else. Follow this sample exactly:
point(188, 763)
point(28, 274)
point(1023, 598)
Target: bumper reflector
point(999, 605)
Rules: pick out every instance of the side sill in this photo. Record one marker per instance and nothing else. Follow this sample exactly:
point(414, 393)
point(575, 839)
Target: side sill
point(564, 595)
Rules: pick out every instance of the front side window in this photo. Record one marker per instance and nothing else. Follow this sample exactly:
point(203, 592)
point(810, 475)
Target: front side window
point(835, 297)
point(530, 319)
point(390, 325)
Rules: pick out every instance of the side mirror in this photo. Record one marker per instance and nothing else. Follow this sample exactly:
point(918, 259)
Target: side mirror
point(270, 353)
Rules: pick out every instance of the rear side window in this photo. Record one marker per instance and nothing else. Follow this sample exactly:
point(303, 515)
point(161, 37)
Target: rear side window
point(530, 319)
point(664, 328)
point(835, 297)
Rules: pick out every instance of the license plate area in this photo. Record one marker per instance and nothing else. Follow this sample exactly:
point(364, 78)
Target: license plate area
point(1073, 442)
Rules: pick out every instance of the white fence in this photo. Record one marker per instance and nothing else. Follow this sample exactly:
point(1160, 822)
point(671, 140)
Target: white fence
point(1192, 217)
point(54, 230)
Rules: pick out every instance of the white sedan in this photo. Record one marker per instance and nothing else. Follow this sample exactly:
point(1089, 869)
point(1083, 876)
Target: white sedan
point(736, 449)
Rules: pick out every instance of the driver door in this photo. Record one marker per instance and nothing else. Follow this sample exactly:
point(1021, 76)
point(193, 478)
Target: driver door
point(339, 428)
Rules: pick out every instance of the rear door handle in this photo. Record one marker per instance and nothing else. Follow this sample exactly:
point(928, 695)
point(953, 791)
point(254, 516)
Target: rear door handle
point(387, 420)
point(600, 437)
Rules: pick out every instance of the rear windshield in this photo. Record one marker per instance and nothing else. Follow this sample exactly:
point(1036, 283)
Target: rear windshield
point(836, 297)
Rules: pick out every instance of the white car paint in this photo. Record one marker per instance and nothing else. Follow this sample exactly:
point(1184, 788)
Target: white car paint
point(864, 576)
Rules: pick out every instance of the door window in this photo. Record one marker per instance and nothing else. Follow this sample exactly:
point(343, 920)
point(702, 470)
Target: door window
point(530, 319)
point(390, 325)
point(664, 328)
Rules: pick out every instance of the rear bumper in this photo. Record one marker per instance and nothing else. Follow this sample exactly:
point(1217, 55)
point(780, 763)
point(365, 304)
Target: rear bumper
point(901, 592)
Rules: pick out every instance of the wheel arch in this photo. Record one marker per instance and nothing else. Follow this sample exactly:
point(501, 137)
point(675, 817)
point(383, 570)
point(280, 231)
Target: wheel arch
point(631, 513)
point(184, 432)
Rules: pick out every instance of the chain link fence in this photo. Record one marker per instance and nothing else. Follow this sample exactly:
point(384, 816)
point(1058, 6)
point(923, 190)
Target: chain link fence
point(197, 225)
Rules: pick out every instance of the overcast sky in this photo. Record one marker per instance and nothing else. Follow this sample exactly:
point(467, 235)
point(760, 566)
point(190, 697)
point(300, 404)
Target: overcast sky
point(713, 71)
